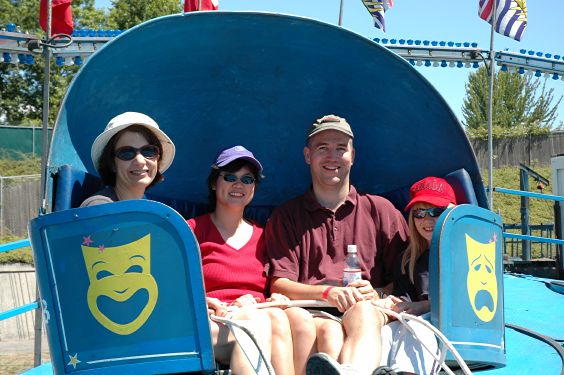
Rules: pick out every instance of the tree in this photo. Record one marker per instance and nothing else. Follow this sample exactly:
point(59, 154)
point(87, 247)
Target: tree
point(521, 106)
point(128, 13)
point(21, 86)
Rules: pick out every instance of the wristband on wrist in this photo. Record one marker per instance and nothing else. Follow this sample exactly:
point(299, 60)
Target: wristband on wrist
point(325, 293)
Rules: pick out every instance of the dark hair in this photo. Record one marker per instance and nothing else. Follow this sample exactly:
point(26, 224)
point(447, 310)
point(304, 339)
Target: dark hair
point(106, 164)
point(232, 167)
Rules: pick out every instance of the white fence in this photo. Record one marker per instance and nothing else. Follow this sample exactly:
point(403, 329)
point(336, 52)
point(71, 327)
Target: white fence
point(19, 202)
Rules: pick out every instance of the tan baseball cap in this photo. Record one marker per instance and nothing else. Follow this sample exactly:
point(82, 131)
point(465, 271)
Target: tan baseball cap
point(330, 122)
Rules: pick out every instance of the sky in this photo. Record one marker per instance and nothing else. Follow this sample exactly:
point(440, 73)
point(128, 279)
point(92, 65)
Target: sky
point(439, 20)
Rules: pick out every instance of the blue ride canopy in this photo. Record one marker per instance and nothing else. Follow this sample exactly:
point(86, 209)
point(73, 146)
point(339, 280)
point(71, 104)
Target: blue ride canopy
point(217, 79)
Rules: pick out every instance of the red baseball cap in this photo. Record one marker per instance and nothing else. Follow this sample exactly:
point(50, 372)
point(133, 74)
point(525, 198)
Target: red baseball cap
point(432, 190)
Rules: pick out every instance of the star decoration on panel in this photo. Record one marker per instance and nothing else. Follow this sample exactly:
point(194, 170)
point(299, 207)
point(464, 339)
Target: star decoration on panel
point(86, 241)
point(73, 360)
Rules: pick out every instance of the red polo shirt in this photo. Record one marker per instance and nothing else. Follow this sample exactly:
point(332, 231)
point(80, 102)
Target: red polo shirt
point(307, 243)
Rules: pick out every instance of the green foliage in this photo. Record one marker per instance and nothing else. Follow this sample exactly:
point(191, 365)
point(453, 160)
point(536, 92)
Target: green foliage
point(25, 165)
point(541, 211)
point(498, 132)
point(509, 206)
point(521, 106)
point(128, 13)
point(15, 256)
point(21, 86)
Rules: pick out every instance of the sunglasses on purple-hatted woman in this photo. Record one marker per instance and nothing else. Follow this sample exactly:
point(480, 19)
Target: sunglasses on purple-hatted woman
point(246, 179)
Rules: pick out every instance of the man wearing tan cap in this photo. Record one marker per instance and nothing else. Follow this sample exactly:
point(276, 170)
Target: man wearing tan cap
point(307, 240)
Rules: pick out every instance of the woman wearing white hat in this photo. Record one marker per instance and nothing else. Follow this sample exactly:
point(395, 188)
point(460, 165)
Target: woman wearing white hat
point(130, 155)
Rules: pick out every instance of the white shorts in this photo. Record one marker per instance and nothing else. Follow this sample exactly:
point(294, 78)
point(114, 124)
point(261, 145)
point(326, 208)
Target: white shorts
point(402, 352)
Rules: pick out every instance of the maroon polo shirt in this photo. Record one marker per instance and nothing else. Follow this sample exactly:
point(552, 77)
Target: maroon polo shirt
point(307, 243)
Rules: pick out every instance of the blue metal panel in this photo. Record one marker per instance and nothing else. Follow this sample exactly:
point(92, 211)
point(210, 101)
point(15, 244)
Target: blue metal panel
point(121, 290)
point(466, 283)
point(215, 79)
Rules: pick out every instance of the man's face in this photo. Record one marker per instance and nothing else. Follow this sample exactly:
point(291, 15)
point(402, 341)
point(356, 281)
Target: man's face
point(330, 155)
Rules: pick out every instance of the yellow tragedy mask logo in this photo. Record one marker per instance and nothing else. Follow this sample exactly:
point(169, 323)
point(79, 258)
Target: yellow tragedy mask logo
point(118, 273)
point(482, 282)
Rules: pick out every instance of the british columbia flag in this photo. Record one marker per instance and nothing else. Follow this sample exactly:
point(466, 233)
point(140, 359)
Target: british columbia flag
point(377, 10)
point(511, 16)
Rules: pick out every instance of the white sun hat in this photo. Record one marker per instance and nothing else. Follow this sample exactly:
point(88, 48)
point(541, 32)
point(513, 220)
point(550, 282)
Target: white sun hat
point(121, 122)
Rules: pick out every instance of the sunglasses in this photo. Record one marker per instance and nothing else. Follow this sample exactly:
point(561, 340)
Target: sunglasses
point(420, 213)
point(246, 179)
point(128, 153)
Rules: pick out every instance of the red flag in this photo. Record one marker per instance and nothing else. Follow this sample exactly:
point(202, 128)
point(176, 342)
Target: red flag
point(192, 5)
point(61, 16)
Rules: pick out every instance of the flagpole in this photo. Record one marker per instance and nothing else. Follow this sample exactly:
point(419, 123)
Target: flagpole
point(341, 12)
point(490, 107)
point(44, 155)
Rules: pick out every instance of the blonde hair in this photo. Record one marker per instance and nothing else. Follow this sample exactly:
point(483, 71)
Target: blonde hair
point(417, 246)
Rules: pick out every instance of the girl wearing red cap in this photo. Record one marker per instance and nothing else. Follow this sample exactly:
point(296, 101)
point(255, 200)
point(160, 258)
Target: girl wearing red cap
point(430, 197)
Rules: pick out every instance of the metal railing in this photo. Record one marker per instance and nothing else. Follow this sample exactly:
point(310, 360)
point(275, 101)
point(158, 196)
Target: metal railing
point(523, 237)
point(18, 310)
point(513, 246)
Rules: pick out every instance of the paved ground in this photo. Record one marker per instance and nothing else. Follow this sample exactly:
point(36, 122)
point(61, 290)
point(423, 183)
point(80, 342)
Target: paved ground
point(16, 356)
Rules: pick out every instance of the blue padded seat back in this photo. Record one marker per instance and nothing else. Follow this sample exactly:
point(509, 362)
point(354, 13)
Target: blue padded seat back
point(73, 186)
point(459, 180)
point(188, 209)
point(462, 185)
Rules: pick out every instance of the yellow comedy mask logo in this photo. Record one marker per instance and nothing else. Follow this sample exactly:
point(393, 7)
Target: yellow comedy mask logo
point(482, 282)
point(118, 273)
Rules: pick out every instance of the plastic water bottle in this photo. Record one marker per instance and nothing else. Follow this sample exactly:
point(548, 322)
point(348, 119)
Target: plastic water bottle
point(352, 271)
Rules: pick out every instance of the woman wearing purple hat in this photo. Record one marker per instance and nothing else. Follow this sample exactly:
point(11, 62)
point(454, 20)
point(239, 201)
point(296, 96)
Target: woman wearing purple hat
point(234, 263)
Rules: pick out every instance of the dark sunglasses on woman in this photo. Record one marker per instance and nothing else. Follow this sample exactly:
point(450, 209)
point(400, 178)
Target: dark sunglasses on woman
point(246, 179)
point(420, 213)
point(128, 153)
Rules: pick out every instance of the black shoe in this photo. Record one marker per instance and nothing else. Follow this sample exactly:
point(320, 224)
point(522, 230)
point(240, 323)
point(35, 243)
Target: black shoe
point(322, 364)
point(383, 370)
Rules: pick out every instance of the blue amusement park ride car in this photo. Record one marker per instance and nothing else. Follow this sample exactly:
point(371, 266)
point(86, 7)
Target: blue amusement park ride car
point(215, 79)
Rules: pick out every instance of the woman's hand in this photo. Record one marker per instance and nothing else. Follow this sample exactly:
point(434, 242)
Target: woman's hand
point(245, 300)
point(216, 307)
point(413, 308)
point(277, 297)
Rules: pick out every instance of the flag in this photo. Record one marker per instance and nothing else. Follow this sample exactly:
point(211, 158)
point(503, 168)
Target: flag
point(377, 10)
point(511, 16)
point(192, 5)
point(61, 16)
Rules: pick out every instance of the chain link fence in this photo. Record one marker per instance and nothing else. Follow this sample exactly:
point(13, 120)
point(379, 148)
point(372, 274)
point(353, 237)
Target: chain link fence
point(19, 202)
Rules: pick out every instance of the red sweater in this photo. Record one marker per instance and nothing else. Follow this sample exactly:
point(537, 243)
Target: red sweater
point(230, 273)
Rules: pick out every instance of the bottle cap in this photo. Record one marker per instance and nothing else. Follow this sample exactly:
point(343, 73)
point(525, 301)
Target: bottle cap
point(351, 249)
